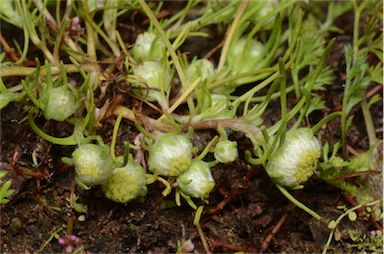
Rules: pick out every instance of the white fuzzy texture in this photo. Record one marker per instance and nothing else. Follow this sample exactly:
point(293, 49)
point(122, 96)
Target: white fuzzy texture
point(226, 151)
point(157, 77)
point(93, 164)
point(170, 155)
point(61, 104)
point(296, 160)
point(148, 47)
point(197, 181)
point(126, 183)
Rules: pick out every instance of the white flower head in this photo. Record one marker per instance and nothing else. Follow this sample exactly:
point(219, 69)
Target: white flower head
point(197, 181)
point(93, 164)
point(61, 104)
point(126, 183)
point(296, 160)
point(171, 155)
point(226, 151)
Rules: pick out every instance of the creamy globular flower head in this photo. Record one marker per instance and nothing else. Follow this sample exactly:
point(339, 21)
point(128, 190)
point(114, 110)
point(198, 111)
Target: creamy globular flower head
point(243, 55)
point(296, 160)
point(226, 151)
point(126, 183)
point(93, 164)
point(197, 181)
point(170, 155)
point(201, 68)
point(157, 77)
point(148, 47)
point(61, 103)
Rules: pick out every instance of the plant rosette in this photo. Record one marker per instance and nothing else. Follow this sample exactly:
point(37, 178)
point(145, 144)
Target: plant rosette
point(197, 181)
point(170, 155)
point(296, 160)
point(126, 183)
point(93, 164)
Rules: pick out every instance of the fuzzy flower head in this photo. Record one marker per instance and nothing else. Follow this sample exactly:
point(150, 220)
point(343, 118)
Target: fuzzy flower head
point(93, 164)
point(157, 81)
point(197, 181)
point(61, 103)
point(243, 55)
point(126, 183)
point(202, 68)
point(171, 155)
point(296, 160)
point(148, 47)
point(226, 151)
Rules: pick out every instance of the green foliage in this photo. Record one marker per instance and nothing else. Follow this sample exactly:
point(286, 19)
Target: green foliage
point(5, 189)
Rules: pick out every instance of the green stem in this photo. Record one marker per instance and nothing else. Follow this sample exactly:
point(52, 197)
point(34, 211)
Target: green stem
point(198, 214)
point(368, 123)
point(25, 49)
point(168, 187)
point(25, 71)
point(297, 203)
point(325, 120)
point(114, 135)
point(231, 33)
point(167, 43)
point(257, 88)
point(356, 27)
point(51, 237)
point(60, 141)
point(364, 105)
point(171, 50)
point(89, 20)
point(186, 93)
point(206, 149)
point(338, 220)
point(261, 72)
point(291, 113)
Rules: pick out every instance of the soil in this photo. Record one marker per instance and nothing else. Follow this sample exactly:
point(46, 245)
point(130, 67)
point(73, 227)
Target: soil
point(242, 212)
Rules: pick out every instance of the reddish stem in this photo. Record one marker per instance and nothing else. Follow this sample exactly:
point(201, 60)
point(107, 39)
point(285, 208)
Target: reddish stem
point(264, 245)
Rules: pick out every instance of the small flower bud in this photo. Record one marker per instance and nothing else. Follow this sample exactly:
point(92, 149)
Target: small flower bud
point(61, 104)
point(226, 151)
point(126, 183)
point(148, 47)
point(93, 164)
point(296, 160)
point(197, 181)
point(170, 155)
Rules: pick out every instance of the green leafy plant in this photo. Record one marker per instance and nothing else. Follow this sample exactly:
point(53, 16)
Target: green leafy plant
point(5, 189)
point(266, 80)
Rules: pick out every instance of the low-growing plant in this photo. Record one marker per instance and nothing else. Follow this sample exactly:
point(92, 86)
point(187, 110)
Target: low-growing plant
point(273, 57)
